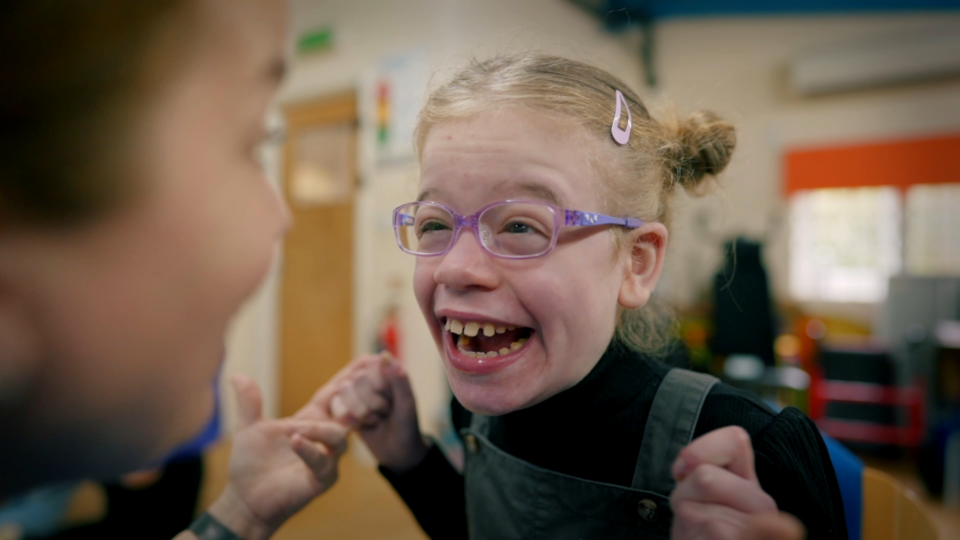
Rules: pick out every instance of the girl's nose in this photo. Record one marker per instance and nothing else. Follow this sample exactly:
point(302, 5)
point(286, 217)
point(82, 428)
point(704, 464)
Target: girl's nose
point(467, 266)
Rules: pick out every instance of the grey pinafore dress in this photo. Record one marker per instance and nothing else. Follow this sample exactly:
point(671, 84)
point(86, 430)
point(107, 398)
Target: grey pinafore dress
point(508, 498)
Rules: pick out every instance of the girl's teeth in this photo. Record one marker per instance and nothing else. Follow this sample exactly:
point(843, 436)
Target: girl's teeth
point(456, 327)
point(464, 340)
point(471, 328)
point(489, 330)
point(501, 329)
point(447, 327)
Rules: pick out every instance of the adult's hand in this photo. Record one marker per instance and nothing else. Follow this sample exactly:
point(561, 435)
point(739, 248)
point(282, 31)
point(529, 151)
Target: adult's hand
point(276, 466)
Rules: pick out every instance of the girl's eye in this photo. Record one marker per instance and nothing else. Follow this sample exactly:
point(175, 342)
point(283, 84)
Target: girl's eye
point(432, 226)
point(517, 228)
point(520, 227)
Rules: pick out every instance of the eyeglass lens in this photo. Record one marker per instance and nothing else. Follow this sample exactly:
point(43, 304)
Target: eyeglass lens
point(509, 229)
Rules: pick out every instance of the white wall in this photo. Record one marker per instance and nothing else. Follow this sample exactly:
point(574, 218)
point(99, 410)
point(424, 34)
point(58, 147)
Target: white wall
point(737, 67)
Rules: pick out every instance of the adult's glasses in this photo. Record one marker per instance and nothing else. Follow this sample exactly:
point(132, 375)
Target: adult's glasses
point(512, 229)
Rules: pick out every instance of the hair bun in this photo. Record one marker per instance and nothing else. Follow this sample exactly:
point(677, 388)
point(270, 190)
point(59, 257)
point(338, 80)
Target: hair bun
point(698, 147)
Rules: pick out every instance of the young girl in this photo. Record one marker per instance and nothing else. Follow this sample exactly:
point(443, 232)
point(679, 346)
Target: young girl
point(540, 231)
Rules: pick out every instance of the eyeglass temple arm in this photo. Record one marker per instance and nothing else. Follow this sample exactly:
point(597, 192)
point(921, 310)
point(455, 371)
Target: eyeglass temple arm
point(576, 218)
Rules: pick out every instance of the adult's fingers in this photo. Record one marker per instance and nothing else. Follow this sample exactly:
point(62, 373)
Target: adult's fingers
point(728, 447)
point(713, 485)
point(781, 526)
point(249, 401)
point(331, 435)
point(312, 454)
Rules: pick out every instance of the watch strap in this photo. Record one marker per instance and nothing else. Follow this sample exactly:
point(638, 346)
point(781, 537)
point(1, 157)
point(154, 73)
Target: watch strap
point(207, 527)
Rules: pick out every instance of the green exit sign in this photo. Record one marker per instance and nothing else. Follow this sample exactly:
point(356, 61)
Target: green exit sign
point(317, 40)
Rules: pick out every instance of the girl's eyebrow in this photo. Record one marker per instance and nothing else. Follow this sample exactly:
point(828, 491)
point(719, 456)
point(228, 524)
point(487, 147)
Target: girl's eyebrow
point(534, 189)
point(426, 194)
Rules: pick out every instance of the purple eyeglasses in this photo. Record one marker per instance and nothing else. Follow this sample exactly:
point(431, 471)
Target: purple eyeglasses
point(512, 229)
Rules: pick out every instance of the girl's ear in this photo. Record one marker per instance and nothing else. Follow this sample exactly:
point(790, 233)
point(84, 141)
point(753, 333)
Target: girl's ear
point(645, 249)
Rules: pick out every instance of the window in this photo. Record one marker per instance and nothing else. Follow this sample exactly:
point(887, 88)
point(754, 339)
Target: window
point(845, 243)
point(932, 246)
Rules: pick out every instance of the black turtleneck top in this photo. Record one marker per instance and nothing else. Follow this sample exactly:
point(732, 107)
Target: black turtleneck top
point(594, 429)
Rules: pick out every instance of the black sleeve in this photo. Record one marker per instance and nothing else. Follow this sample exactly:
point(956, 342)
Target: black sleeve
point(794, 468)
point(434, 492)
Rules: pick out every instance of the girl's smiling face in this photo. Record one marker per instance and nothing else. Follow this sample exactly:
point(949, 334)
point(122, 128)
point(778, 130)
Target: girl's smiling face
point(566, 303)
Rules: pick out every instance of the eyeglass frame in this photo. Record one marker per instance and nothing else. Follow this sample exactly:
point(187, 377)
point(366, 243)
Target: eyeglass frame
point(571, 218)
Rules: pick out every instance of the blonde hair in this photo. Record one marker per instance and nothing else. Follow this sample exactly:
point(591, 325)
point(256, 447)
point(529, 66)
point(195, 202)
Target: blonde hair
point(642, 176)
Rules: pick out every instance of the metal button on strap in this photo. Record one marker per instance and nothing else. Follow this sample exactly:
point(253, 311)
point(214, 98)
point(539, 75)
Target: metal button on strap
point(471, 442)
point(647, 509)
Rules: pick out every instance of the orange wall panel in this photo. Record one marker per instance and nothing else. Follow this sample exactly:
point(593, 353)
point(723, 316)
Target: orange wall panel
point(901, 163)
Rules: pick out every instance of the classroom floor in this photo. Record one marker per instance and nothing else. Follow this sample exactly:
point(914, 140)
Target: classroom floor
point(363, 505)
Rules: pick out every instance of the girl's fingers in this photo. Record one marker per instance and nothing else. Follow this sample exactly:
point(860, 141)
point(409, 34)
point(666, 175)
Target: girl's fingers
point(356, 409)
point(712, 485)
point(319, 405)
point(694, 520)
point(373, 372)
point(728, 447)
point(372, 398)
point(400, 389)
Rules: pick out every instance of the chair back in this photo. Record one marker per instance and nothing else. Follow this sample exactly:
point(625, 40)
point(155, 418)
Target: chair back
point(892, 512)
point(849, 471)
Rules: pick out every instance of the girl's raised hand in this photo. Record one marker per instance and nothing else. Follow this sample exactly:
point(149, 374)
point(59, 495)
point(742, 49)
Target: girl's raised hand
point(372, 395)
point(718, 496)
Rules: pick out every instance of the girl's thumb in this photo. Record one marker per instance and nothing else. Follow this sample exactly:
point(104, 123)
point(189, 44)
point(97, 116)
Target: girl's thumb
point(400, 387)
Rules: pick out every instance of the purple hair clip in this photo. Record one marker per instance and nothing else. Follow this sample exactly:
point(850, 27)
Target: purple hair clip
point(622, 136)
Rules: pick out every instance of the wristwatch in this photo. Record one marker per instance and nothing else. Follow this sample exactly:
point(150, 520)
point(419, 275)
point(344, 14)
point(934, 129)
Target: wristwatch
point(206, 527)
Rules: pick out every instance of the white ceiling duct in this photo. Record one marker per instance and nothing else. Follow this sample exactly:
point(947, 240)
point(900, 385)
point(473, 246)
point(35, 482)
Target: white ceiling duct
point(932, 53)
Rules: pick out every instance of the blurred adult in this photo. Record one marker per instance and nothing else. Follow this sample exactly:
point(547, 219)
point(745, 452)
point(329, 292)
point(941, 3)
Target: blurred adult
point(134, 221)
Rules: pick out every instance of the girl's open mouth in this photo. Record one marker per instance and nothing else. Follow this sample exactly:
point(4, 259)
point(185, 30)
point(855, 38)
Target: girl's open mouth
point(483, 347)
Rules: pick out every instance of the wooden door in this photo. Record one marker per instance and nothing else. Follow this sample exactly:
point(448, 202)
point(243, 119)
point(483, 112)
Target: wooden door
point(316, 313)
point(316, 310)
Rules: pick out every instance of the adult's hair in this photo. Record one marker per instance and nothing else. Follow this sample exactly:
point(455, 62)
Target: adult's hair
point(75, 76)
point(639, 181)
